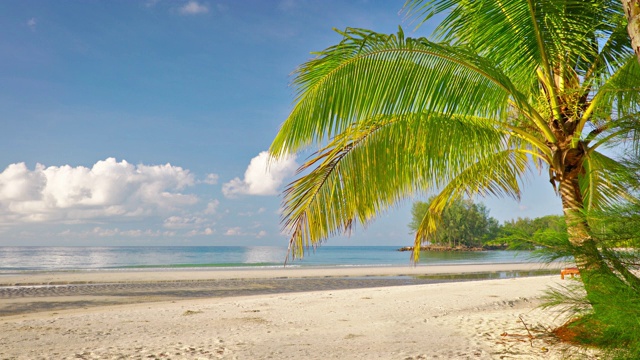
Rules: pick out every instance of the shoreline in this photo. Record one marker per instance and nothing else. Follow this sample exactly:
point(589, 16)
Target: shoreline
point(25, 294)
point(489, 319)
point(191, 274)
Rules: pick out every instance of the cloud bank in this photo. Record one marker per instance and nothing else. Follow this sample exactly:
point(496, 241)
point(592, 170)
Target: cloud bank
point(79, 194)
point(262, 177)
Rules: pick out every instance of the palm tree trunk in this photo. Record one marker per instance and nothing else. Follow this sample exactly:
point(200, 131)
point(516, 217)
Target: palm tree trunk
point(594, 272)
point(632, 10)
point(600, 282)
point(585, 250)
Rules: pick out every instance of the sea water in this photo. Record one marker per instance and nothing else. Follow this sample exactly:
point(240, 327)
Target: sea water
point(26, 259)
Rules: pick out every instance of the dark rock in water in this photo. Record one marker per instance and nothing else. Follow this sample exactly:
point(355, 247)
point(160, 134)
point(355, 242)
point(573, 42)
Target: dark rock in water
point(496, 247)
point(444, 248)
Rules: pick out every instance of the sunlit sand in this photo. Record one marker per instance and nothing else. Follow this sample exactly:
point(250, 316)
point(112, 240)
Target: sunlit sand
point(488, 319)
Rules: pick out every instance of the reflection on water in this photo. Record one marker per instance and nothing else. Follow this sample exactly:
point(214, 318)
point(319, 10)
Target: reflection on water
point(490, 275)
point(473, 257)
point(264, 255)
point(88, 258)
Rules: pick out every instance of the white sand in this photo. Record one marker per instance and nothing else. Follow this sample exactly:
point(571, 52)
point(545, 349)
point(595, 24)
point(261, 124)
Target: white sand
point(466, 320)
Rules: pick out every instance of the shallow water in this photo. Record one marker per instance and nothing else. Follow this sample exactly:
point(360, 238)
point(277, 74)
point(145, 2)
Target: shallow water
point(25, 259)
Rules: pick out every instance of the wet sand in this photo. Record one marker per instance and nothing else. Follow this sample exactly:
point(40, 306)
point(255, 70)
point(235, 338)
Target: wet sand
point(33, 292)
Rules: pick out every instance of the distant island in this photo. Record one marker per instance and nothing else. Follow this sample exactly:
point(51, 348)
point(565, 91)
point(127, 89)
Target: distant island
point(456, 248)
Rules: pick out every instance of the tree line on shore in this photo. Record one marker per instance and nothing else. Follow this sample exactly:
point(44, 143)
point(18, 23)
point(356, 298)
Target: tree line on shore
point(467, 224)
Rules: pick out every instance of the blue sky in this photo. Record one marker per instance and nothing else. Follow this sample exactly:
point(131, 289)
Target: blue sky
point(145, 122)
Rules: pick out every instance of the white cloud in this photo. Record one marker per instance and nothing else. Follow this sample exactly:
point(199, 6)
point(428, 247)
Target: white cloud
point(116, 232)
point(31, 23)
point(194, 8)
point(181, 222)
point(238, 231)
point(211, 179)
point(207, 231)
point(212, 207)
point(235, 231)
point(252, 213)
point(262, 177)
point(78, 194)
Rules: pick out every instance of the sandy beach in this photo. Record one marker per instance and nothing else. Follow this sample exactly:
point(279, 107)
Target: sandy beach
point(78, 316)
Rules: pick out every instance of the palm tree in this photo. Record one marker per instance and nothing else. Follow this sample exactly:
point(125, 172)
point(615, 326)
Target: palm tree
point(632, 10)
point(502, 89)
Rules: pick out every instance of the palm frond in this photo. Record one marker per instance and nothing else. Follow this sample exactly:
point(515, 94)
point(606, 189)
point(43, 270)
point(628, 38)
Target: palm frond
point(370, 74)
point(613, 43)
point(619, 93)
point(525, 35)
point(377, 163)
point(621, 133)
point(603, 183)
point(498, 175)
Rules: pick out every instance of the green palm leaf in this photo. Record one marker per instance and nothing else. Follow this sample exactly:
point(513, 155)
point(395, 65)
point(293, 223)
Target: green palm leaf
point(377, 163)
point(370, 74)
point(525, 35)
point(498, 175)
point(619, 93)
point(603, 183)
